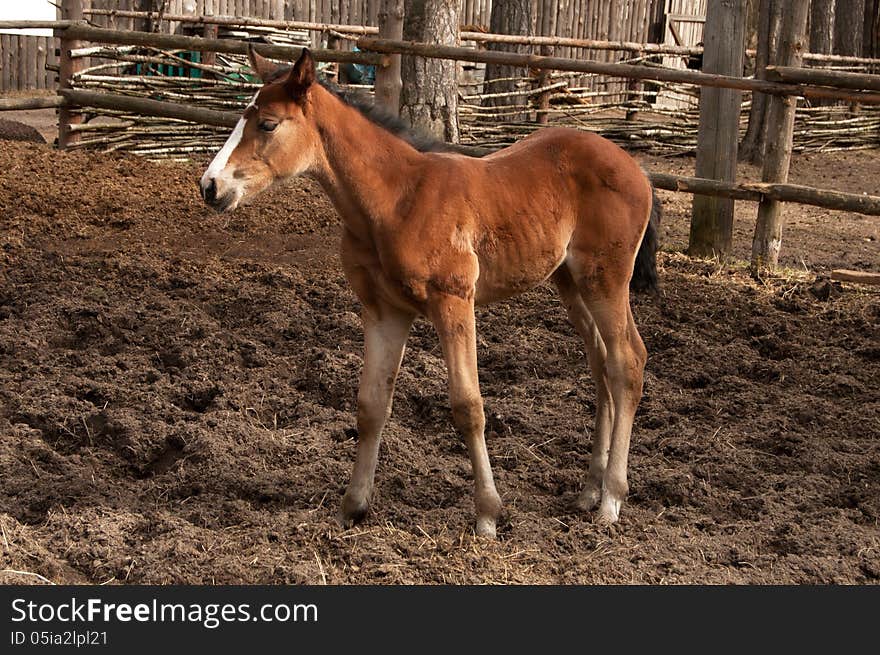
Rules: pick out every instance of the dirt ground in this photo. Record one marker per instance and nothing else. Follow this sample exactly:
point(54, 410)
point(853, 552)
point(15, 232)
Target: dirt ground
point(177, 401)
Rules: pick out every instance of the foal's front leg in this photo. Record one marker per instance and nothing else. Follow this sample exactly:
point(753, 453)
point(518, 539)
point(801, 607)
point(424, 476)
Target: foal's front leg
point(385, 333)
point(453, 317)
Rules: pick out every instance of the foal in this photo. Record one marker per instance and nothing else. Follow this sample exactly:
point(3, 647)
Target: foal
point(438, 233)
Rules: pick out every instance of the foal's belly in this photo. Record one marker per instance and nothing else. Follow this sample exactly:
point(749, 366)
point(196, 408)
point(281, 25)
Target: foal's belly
point(515, 260)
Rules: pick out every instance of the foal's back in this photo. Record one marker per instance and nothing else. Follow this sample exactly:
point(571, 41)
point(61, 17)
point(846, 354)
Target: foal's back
point(524, 209)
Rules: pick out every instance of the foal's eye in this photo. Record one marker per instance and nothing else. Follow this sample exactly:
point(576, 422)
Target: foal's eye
point(268, 126)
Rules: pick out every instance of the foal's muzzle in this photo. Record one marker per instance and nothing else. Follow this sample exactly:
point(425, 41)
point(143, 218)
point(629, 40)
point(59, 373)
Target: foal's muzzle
point(213, 198)
point(209, 191)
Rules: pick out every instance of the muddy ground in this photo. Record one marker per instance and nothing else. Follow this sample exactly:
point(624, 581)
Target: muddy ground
point(177, 401)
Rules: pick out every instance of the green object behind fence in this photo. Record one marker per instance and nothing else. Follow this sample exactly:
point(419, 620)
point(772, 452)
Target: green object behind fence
point(174, 70)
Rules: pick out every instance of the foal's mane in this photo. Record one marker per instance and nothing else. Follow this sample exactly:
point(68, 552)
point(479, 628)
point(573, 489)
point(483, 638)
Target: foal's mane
point(376, 115)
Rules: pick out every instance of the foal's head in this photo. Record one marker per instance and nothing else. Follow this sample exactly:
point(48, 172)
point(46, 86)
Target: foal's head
point(276, 137)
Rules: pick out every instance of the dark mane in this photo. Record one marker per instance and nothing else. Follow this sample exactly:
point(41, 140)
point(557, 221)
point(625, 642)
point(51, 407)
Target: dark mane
point(378, 116)
point(386, 120)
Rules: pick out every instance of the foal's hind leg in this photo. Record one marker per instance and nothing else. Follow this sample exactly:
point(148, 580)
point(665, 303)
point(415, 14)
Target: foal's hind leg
point(385, 333)
point(596, 355)
point(628, 374)
point(607, 300)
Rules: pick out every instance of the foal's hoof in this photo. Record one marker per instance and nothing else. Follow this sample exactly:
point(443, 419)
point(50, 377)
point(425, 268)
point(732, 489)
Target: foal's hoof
point(609, 510)
point(589, 499)
point(352, 511)
point(486, 527)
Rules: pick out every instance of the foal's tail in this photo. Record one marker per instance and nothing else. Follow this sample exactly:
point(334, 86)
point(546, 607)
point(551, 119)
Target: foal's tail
point(645, 269)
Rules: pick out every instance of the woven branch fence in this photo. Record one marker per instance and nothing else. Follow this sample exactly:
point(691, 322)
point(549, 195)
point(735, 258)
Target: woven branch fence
point(226, 83)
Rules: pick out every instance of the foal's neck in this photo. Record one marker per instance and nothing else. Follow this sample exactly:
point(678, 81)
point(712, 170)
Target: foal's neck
point(366, 168)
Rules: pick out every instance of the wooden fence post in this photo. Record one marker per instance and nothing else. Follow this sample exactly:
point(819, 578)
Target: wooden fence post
point(210, 32)
point(388, 81)
point(143, 24)
point(5, 49)
point(777, 159)
point(67, 116)
point(711, 231)
point(542, 116)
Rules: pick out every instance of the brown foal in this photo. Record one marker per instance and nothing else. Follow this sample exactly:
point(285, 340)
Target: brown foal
point(437, 233)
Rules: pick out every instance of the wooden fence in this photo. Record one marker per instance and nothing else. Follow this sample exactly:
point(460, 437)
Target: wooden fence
point(624, 20)
point(640, 21)
point(606, 19)
point(23, 61)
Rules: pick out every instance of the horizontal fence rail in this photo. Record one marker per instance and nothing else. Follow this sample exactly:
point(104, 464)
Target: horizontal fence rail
point(238, 21)
point(82, 32)
point(75, 97)
point(39, 102)
point(839, 79)
point(804, 195)
point(36, 24)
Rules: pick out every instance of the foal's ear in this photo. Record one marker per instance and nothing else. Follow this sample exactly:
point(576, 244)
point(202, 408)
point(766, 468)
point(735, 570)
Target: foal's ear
point(262, 66)
point(302, 75)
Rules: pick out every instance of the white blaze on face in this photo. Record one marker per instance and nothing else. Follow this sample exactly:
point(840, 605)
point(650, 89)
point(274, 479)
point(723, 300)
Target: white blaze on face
point(218, 165)
point(222, 158)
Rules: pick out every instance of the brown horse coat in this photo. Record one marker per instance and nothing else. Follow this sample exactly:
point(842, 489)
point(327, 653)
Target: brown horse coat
point(434, 234)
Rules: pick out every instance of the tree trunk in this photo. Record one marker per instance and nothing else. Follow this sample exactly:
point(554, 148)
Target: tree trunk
point(508, 17)
point(871, 43)
point(849, 27)
point(769, 23)
point(388, 82)
point(768, 231)
point(429, 97)
point(822, 26)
